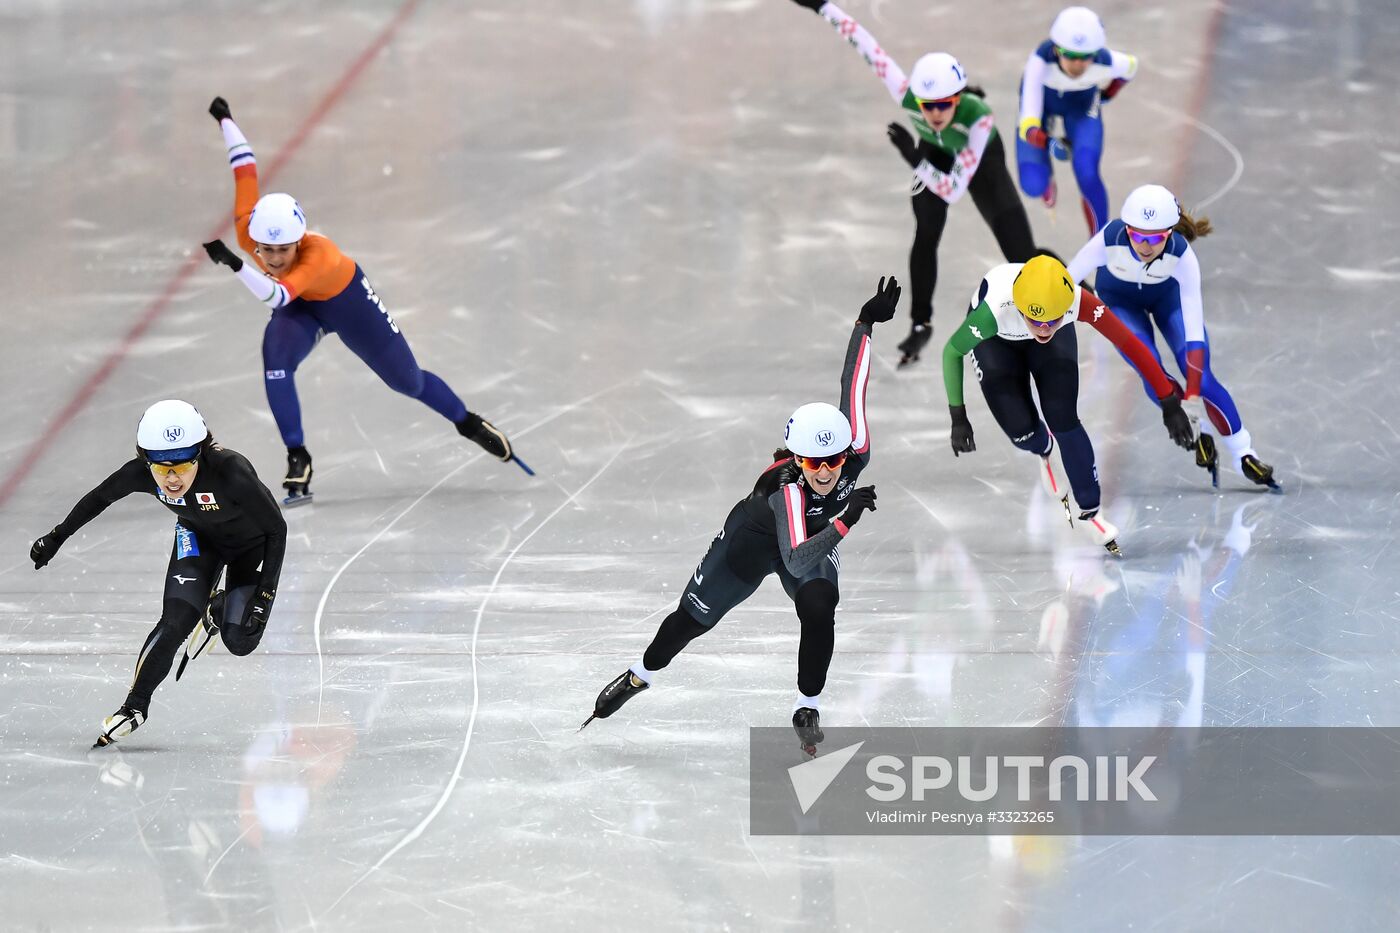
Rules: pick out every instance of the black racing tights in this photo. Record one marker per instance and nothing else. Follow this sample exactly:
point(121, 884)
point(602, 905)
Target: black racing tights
point(998, 202)
point(816, 609)
point(189, 579)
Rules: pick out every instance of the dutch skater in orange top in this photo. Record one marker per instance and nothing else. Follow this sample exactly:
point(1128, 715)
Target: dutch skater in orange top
point(314, 289)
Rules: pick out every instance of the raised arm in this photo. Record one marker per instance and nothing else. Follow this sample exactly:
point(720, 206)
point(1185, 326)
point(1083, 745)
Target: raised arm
point(245, 171)
point(884, 67)
point(855, 373)
point(245, 197)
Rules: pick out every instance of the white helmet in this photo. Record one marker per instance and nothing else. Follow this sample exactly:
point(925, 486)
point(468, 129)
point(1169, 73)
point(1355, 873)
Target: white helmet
point(1078, 29)
point(1151, 207)
point(277, 220)
point(937, 75)
point(171, 430)
point(818, 429)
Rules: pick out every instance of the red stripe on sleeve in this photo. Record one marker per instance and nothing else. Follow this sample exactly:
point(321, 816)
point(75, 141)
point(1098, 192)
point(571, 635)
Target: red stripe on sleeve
point(797, 514)
point(861, 438)
point(1097, 315)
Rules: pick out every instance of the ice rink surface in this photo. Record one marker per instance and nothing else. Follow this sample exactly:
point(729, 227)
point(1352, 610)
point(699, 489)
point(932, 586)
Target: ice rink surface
point(634, 235)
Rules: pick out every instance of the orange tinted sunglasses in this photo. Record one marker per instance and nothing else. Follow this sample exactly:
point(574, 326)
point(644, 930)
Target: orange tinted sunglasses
point(834, 461)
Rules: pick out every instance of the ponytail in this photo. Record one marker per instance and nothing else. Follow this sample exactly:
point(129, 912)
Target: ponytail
point(1193, 227)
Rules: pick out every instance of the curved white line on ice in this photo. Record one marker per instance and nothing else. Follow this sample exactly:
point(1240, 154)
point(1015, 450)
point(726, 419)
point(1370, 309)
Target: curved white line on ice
point(326, 593)
point(476, 691)
point(1225, 144)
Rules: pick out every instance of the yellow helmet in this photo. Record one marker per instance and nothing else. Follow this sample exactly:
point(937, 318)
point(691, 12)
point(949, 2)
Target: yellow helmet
point(1043, 290)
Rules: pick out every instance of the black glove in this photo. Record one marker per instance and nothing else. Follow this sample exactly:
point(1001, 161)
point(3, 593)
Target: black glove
point(45, 548)
point(258, 609)
point(881, 307)
point(1177, 422)
point(813, 5)
point(860, 500)
point(903, 140)
point(219, 110)
point(222, 255)
point(962, 430)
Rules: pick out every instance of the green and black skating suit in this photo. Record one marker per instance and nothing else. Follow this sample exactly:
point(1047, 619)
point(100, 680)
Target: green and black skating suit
point(967, 157)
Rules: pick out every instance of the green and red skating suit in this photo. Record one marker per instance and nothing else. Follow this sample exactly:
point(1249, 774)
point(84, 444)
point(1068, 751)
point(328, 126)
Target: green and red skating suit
point(993, 313)
point(964, 140)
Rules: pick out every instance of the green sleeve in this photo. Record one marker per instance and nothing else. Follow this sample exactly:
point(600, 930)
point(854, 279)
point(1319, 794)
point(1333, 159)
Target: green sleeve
point(977, 327)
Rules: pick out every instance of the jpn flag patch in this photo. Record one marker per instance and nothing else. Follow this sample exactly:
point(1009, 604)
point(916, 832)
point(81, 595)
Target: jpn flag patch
point(204, 498)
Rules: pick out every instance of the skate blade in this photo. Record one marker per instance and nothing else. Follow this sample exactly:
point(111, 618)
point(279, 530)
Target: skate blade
point(1274, 487)
point(810, 751)
point(1112, 548)
point(103, 741)
point(524, 466)
point(291, 502)
point(1069, 513)
point(184, 662)
point(586, 722)
point(907, 360)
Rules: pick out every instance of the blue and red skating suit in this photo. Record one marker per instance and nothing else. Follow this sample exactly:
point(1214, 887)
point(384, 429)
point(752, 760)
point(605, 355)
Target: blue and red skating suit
point(1048, 91)
point(1165, 292)
point(783, 526)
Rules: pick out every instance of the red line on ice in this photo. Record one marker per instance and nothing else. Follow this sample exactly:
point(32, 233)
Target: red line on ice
point(155, 309)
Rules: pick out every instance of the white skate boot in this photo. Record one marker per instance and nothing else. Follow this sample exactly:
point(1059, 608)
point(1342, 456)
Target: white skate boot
point(1103, 531)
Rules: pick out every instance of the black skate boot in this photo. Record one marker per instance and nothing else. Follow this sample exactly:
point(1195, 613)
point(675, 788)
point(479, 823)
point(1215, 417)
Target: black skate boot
point(913, 345)
point(622, 689)
point(298, 481)
point(123, 722)
point(485, 435)
point(807, 723)
point(1207, 458)
point(209, 626)
point(1259, 473)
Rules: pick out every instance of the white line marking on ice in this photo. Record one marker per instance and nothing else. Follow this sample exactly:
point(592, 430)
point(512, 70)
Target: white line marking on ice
point(326, 594)
point(1219, 137)
point(476, 691)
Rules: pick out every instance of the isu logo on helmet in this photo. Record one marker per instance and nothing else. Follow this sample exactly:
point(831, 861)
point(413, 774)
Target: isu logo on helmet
point(275, 233)
point(174, 433)
point(1148, 213)
point(818, 429)
point(1042, 290)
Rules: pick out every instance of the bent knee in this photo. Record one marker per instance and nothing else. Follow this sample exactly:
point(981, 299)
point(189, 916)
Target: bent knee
point(816, 602)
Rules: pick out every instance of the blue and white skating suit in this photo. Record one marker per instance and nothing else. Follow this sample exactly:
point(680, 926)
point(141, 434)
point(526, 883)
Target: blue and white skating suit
point(1165, 292)
point(1046, 91)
